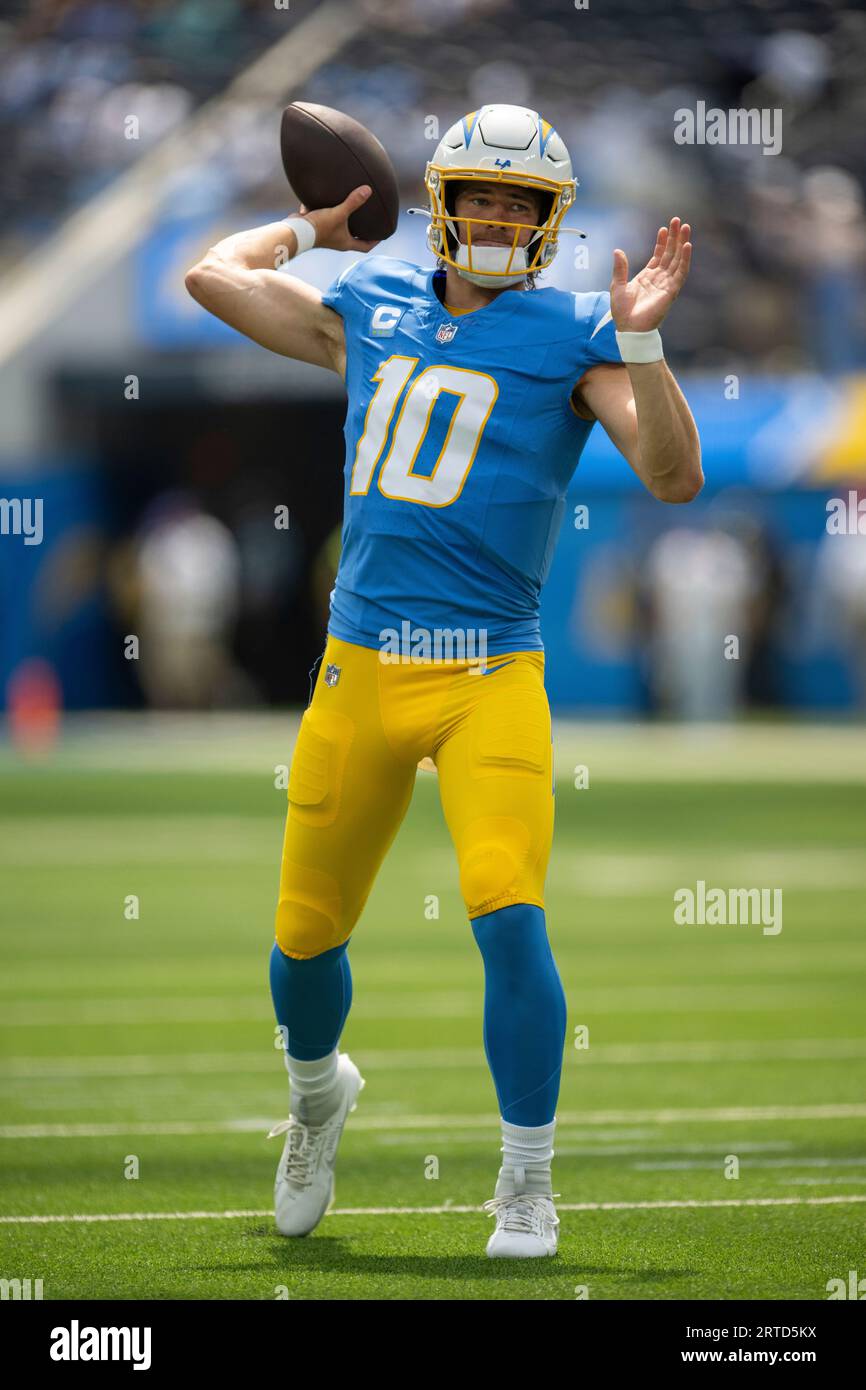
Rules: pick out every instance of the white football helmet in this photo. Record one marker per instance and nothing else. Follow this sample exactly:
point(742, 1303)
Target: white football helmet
point(502, 144)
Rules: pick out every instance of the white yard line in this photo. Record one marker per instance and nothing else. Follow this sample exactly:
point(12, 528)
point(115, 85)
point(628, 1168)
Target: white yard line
point(52, 841)
point(724, 997)
point(402, 1059)
point(645, 1166)
point(820, 1182)
point(56, 841)
point(87, 1218)
point(223, 1009)
point(608, 874)
point(427, 1123)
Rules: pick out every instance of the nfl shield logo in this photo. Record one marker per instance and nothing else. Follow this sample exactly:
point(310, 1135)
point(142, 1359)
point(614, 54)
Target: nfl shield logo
point(445, 332)
point(332, 673)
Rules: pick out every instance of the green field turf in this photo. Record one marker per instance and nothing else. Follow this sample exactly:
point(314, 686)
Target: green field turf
point(153, 1037)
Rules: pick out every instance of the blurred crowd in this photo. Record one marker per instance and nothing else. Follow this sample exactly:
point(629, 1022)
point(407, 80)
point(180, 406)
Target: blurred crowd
point(781, 273)
point(72, 71)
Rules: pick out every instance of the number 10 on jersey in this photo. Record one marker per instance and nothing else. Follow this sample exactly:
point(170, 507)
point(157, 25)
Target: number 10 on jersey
point(475, 394)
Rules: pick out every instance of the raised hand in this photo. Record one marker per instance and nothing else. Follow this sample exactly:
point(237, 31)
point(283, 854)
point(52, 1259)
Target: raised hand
point(332, 224)
point(641, 304)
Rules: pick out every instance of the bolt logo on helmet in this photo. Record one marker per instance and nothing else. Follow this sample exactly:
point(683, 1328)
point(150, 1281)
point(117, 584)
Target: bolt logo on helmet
point(499, 144)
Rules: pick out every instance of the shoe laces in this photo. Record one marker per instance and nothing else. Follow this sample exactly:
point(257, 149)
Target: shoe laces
point(304, 1145)
point(525, 1212)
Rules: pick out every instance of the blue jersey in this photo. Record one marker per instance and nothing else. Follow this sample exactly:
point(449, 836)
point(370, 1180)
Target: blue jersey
point(461, 440)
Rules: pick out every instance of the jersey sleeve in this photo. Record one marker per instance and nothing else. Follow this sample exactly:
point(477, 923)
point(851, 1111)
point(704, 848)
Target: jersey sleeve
point(601, 344)
point(341, 295)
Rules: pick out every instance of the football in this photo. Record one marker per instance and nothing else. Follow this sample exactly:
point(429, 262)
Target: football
point(326, 154)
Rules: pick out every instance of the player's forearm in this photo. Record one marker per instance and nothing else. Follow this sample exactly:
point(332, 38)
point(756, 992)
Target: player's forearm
point(260, 248)
point(670, 448)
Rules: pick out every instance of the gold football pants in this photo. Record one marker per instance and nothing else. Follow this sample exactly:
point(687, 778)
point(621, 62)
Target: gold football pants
point(354, 768)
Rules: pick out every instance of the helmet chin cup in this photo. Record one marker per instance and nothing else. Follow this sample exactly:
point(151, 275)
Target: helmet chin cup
point(493, 266)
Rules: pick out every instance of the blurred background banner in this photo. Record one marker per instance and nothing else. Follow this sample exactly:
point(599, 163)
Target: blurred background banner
point(162, 444)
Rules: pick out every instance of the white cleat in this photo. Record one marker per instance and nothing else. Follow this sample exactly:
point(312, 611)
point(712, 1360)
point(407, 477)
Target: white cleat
point(304, 1186)
point(526, 1225)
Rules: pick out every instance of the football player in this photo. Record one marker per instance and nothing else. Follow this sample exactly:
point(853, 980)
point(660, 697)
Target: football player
point(471, 393)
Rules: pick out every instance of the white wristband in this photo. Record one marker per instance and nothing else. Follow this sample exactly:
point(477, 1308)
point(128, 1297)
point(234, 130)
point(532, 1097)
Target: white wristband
point(305, 233)
point(640, 347)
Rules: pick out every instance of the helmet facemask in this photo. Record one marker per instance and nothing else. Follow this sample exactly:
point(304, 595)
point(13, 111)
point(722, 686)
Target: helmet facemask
point(493, 266)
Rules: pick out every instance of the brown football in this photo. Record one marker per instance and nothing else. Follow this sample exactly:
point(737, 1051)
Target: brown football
point(326, 154)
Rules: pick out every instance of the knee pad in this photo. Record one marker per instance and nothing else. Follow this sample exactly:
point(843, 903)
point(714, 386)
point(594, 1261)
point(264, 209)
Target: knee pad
point(309, 912)
point(493, 860)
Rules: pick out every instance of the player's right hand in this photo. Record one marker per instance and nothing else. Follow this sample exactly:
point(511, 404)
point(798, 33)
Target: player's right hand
point(332, 224)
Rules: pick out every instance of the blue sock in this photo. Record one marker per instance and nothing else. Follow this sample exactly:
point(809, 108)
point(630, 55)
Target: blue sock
point(524, 1012)
point(312, 999)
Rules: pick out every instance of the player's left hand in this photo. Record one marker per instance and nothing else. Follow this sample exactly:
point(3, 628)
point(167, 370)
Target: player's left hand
point(639, 305)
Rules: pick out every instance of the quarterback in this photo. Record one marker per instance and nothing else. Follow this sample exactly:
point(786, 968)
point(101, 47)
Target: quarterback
point(471, 393)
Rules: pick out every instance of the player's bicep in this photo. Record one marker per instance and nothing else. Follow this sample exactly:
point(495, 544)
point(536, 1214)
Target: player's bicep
point(276, 310)
point(605, 391)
